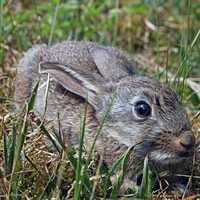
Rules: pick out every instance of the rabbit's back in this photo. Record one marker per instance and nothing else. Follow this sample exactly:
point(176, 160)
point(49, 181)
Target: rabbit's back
point(82, 57)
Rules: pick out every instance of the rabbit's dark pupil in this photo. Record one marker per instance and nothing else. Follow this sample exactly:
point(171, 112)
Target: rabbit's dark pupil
point(142, 109)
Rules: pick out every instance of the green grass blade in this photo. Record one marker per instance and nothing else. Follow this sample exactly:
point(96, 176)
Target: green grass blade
point(54, 21)
point(120, 179)
point(145, 190)
point(5, 146)
point(33, 97)
point(100, 129)
point(111, 171)
point(12, 149)
point(89, 157)
point(79, 167)
point(17, 161)
point(14, 179)
point(70, 152)
point(150, 183)
point(50, 137)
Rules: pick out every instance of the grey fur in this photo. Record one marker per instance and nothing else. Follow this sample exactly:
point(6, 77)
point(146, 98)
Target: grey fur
point(80, 70)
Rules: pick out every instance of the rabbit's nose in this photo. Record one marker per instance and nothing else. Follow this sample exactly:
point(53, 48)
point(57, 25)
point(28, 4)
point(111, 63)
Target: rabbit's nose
point(185, 144)
point(187, 141)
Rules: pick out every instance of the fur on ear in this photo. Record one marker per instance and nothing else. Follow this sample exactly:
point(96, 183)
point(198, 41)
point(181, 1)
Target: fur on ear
point(112, 65)
point(71, 80)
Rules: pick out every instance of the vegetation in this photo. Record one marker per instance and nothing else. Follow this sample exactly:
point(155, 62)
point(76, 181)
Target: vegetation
point(162, 35)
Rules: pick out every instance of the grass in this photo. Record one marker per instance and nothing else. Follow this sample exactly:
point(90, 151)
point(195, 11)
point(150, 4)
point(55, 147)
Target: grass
point(160, 33)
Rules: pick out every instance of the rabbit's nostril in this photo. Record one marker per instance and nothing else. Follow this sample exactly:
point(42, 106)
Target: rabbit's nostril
point(187, 141)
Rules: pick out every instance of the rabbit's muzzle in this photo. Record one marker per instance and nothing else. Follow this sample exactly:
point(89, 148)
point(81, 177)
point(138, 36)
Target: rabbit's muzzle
point(184, 144)
point(173, 148)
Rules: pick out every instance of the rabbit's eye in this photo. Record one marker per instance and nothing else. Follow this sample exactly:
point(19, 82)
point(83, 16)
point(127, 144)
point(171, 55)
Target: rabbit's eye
point(142, 109)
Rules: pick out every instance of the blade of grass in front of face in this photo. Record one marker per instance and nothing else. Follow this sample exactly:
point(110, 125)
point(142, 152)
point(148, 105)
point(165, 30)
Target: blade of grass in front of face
point(150, 183)
point(79, 166)
point(108, 184)
point(121, 174)
point(115, 165)
point(145, 190)
point(111, 171)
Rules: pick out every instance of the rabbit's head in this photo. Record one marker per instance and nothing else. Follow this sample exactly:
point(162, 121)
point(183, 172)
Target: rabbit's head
point(149, 114)
point(143, 112)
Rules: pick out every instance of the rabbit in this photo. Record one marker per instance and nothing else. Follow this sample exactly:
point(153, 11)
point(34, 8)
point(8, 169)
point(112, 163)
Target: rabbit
point(144, 113)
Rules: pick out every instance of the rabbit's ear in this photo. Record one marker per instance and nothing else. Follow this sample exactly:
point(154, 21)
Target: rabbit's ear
point(112, 65)
point(71, 80)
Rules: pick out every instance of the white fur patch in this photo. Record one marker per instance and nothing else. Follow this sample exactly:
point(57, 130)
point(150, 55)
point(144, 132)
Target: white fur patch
point(161, 156)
